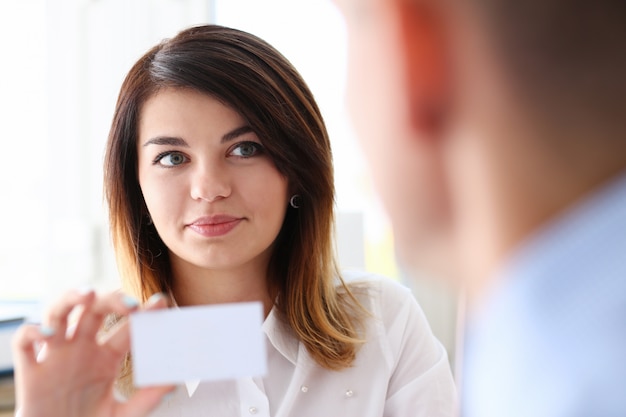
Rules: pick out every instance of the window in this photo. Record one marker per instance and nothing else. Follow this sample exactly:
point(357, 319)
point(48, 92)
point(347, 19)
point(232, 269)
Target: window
point(24, 139)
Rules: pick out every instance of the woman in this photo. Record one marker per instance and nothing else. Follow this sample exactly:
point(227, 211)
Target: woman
point(219, 180)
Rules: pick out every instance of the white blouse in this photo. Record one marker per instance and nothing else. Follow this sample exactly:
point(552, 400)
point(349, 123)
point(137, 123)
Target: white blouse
point(401, 370)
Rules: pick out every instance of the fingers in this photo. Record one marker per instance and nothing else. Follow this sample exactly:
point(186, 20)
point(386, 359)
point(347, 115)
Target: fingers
point(57, 315)
point(93, 310)
point(156, 302)
point(143, 401)
point(118, 338)
point(24, 342)
point(91, 358)
point(92, 317)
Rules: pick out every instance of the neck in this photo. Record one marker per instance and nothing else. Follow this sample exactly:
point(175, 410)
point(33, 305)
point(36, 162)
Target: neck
point(514, 165)
point(513, 189)
point(194, 285)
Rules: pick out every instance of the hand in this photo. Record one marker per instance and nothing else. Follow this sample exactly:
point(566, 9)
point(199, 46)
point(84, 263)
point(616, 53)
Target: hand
point(75, 374)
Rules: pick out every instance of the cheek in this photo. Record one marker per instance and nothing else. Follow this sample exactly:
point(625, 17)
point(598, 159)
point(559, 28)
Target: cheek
point(161, 199)
point(419, 211)
point(377, 113)
point(398, 185)
point(375, 99)
point(368, 89)
point(266, 193)
point(404, 169)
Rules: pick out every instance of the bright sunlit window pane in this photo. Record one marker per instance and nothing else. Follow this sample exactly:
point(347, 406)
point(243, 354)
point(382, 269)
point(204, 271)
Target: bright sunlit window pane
point(24, 145)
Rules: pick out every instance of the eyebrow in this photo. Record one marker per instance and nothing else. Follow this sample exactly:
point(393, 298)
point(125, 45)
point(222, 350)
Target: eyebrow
point(234, 134)
point(175, 141)
point(167, 140)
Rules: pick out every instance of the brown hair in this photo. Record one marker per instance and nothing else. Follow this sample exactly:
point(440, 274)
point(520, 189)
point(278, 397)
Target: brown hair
point(567, 56)
point(247, 74)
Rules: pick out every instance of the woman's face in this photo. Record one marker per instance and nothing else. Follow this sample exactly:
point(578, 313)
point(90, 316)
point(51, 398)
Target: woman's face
point(214, 195)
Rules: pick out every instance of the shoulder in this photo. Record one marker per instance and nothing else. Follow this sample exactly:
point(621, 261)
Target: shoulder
point(394, 313)
point(377, 292)
point(400, 336)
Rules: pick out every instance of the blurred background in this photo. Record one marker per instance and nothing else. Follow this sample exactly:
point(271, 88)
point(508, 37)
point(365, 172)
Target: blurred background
point(62, 63)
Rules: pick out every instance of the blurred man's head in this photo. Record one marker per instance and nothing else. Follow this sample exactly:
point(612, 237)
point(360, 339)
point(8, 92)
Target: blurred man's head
point(482, 119)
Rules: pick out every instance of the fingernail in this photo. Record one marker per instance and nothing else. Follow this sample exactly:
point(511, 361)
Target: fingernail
point(154, 298)
point(130, 302)
point(46, 331)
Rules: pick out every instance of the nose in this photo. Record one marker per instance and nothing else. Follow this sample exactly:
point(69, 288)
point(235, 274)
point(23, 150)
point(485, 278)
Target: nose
point(210, 182)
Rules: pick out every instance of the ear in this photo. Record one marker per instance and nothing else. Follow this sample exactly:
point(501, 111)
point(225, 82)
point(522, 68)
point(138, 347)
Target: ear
point(422, 38)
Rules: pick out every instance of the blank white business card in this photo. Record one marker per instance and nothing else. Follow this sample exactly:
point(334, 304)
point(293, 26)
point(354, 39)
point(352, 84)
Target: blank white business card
point(206, 343)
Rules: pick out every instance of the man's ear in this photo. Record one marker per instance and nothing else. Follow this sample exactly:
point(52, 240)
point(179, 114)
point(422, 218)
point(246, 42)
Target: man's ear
point(422, 38)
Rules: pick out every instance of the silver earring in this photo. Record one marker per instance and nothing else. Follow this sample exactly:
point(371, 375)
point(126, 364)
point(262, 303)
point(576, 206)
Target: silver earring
point(148, 219)
point(295, 201)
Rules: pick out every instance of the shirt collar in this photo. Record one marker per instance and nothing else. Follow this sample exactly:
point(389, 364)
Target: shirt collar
point(281, 336)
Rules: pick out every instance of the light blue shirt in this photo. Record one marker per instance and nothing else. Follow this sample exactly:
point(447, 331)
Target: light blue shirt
point(551, 340)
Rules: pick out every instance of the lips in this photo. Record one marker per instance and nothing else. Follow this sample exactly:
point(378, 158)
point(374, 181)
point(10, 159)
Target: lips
point(213, 226)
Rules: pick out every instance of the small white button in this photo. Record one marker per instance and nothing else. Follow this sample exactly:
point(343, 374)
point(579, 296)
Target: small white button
point(304, 388)
point(349, 393)
point(253, 410)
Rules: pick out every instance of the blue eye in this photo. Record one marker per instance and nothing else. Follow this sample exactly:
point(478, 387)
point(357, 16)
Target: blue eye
point(171, 159)
point(246, 149)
